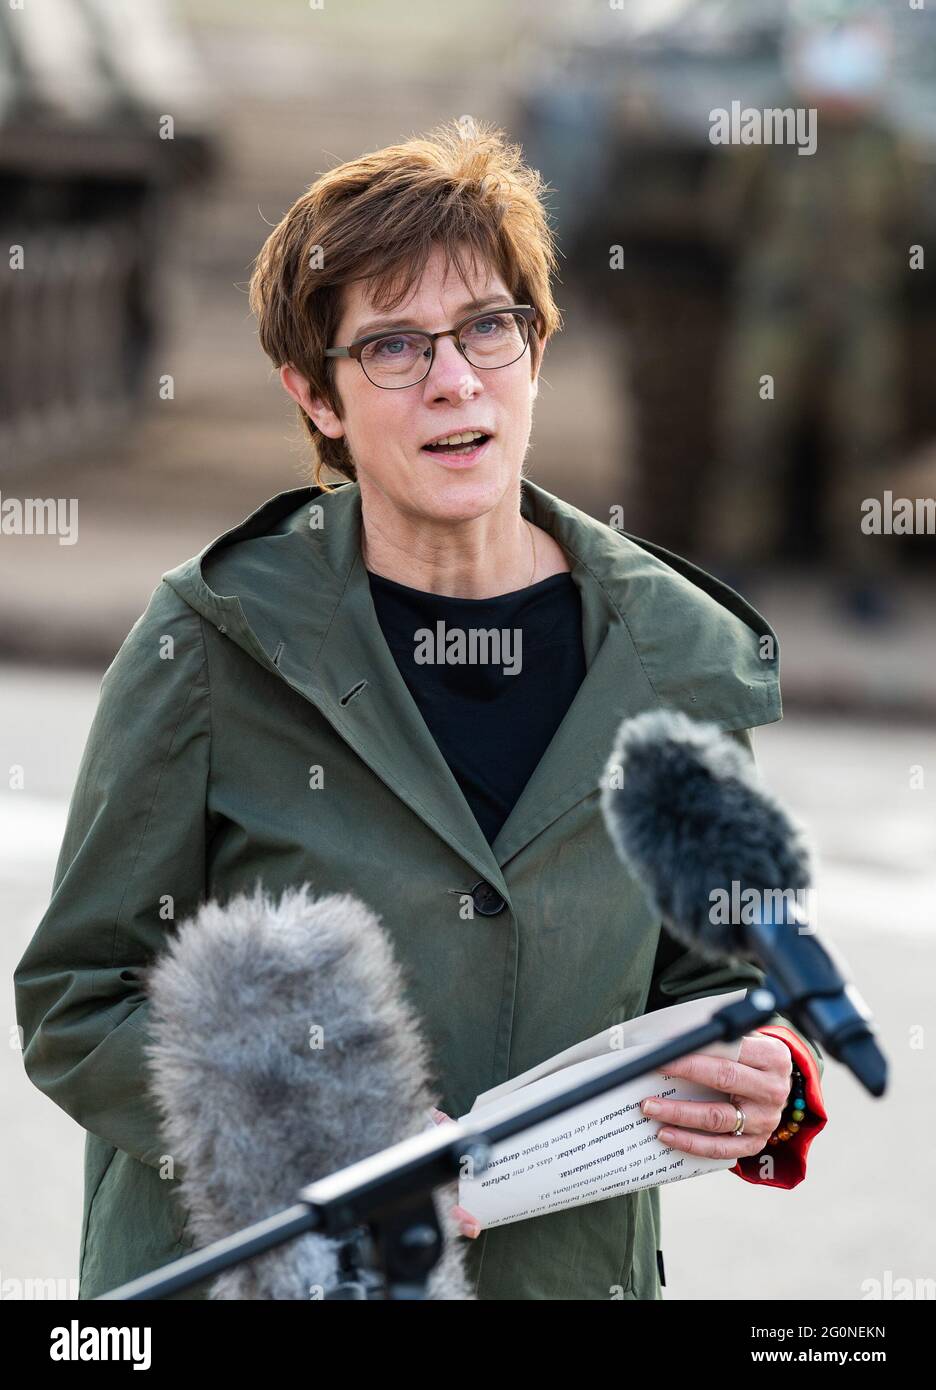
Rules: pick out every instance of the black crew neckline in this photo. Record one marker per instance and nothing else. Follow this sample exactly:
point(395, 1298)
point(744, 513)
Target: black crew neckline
point(456, 598)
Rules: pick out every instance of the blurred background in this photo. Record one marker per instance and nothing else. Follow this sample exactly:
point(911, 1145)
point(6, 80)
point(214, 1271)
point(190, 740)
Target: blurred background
point(748, 353)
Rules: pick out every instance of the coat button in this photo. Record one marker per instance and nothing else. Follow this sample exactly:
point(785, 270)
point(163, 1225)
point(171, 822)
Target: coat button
point(486, 899)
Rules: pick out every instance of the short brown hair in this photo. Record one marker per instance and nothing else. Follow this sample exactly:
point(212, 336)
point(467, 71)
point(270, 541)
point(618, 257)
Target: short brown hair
point(380, 216)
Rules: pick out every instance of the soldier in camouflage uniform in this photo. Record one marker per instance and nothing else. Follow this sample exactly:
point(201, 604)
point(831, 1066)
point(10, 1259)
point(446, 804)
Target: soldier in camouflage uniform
point(816, 310)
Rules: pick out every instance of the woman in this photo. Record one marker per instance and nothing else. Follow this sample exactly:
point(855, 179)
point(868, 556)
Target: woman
point(307, 699)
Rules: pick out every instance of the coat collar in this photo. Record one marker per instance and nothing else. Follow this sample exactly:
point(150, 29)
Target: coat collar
point(288, 584)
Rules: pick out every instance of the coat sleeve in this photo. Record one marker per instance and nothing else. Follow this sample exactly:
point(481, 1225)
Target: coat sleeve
point(681, 973)
point(132, 862)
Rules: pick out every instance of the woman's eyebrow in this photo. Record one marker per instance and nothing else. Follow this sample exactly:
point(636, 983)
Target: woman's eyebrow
point(376, 324)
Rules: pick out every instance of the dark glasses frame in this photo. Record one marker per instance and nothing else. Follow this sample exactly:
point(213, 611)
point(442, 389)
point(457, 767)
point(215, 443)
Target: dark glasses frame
point(354, 350)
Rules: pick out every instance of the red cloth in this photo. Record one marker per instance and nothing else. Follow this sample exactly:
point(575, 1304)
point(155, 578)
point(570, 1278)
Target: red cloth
point(789, 1155)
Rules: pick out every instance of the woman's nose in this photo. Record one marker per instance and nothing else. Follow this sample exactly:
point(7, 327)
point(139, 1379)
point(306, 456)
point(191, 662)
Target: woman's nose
point(451, 373)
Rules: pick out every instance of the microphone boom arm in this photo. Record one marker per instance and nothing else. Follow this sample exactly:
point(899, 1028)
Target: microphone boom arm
point(375, 1190)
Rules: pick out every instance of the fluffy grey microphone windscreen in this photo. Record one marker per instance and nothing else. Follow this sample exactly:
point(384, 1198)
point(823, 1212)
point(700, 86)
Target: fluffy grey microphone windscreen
point(687, 814)
point(283, 1048)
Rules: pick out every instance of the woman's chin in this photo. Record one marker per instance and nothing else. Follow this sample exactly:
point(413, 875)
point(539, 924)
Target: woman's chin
point(467, 493)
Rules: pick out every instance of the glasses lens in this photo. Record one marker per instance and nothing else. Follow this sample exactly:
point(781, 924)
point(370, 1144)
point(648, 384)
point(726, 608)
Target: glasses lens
point(400, 359)
point(494, 340)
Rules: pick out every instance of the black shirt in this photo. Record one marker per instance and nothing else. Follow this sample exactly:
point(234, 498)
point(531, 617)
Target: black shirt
point(492, 703)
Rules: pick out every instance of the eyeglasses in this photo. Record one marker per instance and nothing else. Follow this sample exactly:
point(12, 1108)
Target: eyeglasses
point(404, 357)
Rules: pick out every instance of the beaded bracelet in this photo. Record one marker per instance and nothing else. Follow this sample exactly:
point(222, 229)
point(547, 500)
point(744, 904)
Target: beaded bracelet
point(796, 1106)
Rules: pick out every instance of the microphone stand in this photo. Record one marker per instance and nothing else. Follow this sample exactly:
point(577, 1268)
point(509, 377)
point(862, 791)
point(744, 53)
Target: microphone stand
point(389, 1195)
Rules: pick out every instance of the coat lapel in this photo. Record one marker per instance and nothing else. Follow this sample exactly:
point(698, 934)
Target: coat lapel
point(301, 605)
point(359, 688)
point(615, 687)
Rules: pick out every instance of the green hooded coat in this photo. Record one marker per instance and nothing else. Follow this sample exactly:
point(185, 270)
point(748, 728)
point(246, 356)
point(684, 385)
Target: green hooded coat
point(195, 781)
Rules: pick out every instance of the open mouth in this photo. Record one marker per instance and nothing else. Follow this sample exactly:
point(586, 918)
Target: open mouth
point(461, 448)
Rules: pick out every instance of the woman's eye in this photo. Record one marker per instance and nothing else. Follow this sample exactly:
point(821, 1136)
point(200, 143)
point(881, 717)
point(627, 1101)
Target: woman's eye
point(497, 326)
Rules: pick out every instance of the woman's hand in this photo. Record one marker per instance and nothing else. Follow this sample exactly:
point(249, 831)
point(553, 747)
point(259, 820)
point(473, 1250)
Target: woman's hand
point(759, 1081)
point(467, 1223)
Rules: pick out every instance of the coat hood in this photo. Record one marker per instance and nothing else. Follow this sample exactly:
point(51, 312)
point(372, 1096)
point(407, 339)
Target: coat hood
point(289, 586)
point(288, 564)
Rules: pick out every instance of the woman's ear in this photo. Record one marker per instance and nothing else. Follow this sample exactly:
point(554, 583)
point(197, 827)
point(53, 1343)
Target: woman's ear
point(318, 411)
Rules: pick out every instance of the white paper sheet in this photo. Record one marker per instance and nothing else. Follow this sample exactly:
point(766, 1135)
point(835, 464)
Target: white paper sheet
point(604, 1147)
